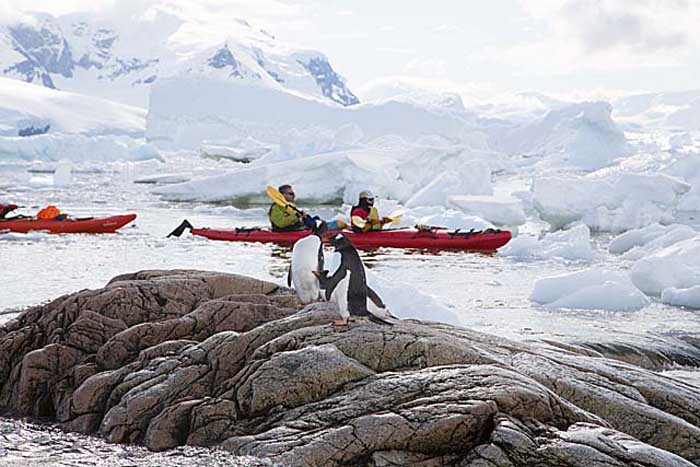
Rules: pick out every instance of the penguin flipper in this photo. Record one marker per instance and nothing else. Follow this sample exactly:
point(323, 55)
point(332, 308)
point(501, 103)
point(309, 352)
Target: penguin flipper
point(376, 319)
point(374, 296)
point(289, 275)
point(333, 281)
point(377, 301)
point(321, 259)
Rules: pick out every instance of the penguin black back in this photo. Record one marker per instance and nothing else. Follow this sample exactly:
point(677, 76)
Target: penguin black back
point(357, 288)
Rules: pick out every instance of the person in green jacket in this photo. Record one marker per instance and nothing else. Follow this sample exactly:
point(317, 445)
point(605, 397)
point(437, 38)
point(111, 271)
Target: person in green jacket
point(284, 219)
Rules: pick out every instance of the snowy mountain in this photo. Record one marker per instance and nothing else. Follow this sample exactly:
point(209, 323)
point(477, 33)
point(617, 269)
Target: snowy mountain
point(118, 58)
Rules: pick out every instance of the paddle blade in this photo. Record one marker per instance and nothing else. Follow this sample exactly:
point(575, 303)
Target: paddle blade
point(396, 216)
point(276, 196)
point(180, 229)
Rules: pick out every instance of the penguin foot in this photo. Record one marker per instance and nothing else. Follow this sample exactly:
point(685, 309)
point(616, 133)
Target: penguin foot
point(340, 322)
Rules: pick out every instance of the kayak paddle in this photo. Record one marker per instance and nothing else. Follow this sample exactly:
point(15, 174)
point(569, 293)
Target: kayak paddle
point(396, 216)
point(180, 229)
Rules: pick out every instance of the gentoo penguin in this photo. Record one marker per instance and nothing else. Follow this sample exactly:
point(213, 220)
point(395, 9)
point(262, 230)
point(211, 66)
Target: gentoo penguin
point(307, 258)
point(347, 287)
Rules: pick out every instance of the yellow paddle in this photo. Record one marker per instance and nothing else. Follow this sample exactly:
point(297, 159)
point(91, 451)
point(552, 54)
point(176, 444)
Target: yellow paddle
point(396, 216)
point(358, 222)
point(395, 219)
point(280, 200)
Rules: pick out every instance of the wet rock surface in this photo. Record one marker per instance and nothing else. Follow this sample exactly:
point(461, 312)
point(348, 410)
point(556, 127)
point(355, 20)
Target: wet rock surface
point(190, 358)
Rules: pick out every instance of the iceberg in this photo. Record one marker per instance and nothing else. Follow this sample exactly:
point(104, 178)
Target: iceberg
point(638, 243)
point(186, 111)
point(76, 148)
point(573, 243)
point(591, 289)
point(608, 203)
point(675, 266)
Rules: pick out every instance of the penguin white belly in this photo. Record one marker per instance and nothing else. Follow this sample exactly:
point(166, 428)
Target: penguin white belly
point(304, 262)
point(340, 296)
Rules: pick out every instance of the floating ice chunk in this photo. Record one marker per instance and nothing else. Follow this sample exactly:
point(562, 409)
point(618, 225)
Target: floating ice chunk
point(499, 210)
point(406, 302)
point(591, 289)
point(631, 214)
point(689, 297)
point(394, 172)
point(612, 203)
point(636, 237)
point(673, 234)
point(675, 266)
point(574, 243)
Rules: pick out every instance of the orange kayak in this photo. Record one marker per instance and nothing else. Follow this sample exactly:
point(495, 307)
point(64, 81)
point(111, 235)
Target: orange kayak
point(89, 225)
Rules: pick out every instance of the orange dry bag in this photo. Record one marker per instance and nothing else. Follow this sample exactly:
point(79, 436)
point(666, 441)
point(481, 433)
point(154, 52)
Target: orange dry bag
point(48, 213)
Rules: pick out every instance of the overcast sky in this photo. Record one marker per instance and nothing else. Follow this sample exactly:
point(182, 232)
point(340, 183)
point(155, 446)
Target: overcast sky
point(562, 47)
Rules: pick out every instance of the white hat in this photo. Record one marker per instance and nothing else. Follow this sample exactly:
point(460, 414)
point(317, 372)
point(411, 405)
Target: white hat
point(366, 194)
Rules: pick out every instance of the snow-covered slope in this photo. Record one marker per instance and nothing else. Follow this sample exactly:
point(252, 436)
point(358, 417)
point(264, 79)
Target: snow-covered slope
point(119, 55)
point(26, 109)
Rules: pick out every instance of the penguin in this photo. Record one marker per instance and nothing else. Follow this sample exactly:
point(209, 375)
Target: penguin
point(307, 258)
point(347, 287)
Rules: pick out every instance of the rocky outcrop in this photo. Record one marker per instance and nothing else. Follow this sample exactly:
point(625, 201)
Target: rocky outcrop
point(172, 358)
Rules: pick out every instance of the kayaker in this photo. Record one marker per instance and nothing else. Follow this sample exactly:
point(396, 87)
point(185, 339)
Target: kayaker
point(5, 209)
point(288, 219)
point(365, 217)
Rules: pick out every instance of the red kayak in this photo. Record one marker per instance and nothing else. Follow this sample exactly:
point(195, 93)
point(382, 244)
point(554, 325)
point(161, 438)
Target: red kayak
point(89, 225)
point(487, 240)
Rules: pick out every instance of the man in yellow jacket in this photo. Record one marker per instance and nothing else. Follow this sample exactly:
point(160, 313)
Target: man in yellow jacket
point(285, 219)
